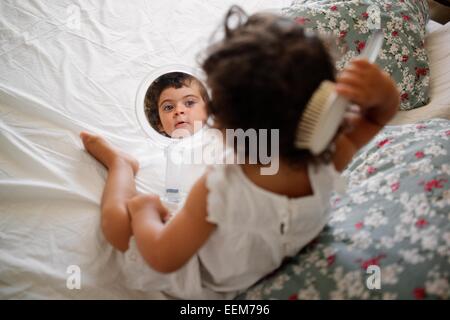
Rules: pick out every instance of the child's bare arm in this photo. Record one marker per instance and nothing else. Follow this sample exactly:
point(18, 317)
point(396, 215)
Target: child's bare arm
point(374, 91)
point(167, 247)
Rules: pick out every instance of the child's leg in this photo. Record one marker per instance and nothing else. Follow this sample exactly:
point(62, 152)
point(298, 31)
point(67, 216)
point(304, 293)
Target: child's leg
point(119, 187)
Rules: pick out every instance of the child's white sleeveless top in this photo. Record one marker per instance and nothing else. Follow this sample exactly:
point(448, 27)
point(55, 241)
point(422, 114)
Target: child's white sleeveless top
point(256, 230)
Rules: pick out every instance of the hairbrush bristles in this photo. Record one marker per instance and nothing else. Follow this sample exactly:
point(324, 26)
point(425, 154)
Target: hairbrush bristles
point(325, 110)
point(321, 119)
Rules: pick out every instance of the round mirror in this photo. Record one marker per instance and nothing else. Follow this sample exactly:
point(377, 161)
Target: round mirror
point(172, 103)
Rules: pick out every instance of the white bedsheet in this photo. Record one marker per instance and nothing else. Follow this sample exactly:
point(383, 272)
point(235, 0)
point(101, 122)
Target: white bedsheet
point(57, 79)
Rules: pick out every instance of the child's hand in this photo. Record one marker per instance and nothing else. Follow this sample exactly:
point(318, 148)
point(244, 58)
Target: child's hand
point(366, 85)
point(376, 95)
point(147, 203)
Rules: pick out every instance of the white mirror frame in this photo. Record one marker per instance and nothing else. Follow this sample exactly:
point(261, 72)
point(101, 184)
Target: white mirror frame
point(157, 137)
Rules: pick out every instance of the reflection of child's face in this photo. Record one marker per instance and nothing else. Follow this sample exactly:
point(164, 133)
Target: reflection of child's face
point(179, 108)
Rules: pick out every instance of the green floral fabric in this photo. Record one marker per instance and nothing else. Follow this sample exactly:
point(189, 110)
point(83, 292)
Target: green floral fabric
point(403, 23)
point(395, 215)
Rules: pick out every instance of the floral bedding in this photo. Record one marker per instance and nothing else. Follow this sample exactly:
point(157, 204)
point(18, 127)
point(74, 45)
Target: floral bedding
point(403, 23)
point(393, 223)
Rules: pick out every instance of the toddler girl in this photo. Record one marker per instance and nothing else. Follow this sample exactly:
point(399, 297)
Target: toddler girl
point(236, 225)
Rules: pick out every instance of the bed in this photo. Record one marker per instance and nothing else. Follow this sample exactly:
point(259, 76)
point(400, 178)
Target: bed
point(68, 66)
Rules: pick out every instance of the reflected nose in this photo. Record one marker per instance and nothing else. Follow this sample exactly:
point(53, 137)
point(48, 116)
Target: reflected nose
point(180, 108)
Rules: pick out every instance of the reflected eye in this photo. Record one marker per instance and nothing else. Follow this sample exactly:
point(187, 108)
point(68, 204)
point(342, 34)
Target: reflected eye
point(167, 107)
point(190, 103)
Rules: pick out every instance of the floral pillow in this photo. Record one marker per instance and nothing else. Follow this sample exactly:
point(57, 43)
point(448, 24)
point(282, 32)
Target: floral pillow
point(395, 216)
point(403, 22)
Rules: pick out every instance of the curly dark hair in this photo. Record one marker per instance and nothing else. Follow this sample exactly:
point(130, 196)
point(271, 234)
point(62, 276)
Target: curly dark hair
point(263, 73)
point(168, 80)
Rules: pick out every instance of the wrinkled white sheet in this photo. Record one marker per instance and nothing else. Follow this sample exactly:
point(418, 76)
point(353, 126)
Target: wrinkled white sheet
point(57, 79)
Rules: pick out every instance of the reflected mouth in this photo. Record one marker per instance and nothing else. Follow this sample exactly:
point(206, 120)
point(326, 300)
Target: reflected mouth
point(181, 124)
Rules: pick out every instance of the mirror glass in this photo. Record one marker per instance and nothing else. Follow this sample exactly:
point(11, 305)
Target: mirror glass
point(176, 104)
point(172, 104)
